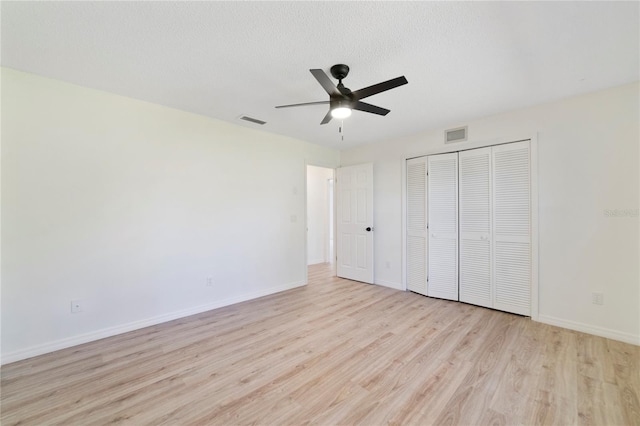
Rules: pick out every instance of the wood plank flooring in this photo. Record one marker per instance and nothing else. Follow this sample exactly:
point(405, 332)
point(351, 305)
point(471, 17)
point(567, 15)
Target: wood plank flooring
point(332, 352)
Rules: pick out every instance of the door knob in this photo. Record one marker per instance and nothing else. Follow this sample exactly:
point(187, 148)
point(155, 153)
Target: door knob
point(369, 229)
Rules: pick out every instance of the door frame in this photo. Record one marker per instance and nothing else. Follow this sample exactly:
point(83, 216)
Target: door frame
point(465, 146)
point(306, 224)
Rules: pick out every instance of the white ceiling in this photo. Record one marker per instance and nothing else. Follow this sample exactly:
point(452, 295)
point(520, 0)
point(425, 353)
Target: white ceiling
point(226, 59)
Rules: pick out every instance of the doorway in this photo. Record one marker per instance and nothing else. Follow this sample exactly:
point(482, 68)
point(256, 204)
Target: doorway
point(320, 215)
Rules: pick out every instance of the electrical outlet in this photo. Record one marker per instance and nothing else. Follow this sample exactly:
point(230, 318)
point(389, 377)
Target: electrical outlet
point(209, 281)
point(76, 306)
point(597, 298)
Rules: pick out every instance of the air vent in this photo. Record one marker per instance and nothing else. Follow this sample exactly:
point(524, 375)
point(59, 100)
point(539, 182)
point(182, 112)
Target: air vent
point(252, 120)
point(458, 134)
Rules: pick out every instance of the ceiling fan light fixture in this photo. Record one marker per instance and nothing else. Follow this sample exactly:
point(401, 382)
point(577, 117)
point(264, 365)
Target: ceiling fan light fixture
point(341, 112)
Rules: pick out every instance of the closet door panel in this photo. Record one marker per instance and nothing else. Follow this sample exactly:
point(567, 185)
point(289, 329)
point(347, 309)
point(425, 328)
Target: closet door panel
point(475, 227)
point(417, 267)
point(512, 227)
point(443, 226)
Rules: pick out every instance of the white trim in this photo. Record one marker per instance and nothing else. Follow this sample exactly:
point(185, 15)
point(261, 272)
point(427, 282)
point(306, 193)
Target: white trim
point(136, 325)
point(634, 339)
point(463, 146)
point(306, 223)
point(334, 261)
point(403, 221)
point(390, 284)
point(533, 167)
point(316, 261)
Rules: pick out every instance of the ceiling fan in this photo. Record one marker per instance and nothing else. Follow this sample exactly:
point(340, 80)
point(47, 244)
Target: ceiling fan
point(342, 100)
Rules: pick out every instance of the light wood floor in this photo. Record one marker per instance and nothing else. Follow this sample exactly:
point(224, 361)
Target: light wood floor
point(333, 352)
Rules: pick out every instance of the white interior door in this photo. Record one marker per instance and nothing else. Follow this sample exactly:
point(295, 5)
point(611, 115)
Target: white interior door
point(475, 227)
point(417, 242)
point(354, 223)
point(512, 227)
point(443, 226)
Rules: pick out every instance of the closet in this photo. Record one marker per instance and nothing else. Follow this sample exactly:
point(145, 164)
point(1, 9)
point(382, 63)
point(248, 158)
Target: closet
point(469, 226)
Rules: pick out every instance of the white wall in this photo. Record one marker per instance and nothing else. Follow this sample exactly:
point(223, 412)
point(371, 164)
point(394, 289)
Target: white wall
point(130, 206)
point(588, 163)
point(318, 214)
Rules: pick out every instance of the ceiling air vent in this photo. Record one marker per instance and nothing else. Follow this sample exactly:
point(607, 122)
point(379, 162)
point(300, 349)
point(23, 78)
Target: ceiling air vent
point(252, 120)
point(459, 134)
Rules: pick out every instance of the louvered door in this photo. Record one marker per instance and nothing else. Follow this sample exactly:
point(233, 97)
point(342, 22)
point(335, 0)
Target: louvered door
point(475, 227)
point(417, 267)
point(512, 227)
point(478, 226)
point(443, 226)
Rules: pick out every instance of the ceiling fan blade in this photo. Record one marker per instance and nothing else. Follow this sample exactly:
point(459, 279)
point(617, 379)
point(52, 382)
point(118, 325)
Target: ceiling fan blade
point(325, 82)
point(378, 88)
point(303, 104)
point(327, 118)
point(363, 106)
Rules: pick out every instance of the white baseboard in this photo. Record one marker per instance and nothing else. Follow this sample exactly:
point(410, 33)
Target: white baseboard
point(390, 284)
point(315, 261)
point(124, 328)
point(591, 329)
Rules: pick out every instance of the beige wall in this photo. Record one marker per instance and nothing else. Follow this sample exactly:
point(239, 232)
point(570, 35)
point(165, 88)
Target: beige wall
point(130, 207)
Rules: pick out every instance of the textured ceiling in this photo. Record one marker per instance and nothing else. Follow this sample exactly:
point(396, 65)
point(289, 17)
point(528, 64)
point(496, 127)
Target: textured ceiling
point(227, 59)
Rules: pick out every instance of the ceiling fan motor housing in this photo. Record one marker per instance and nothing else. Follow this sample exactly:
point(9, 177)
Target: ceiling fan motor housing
point(340, 71)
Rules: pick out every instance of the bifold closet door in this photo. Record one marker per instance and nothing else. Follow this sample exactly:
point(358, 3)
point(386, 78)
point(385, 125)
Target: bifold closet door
point(511, 166)
point(475, 182)
point(442, 222)
point(417, 267)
